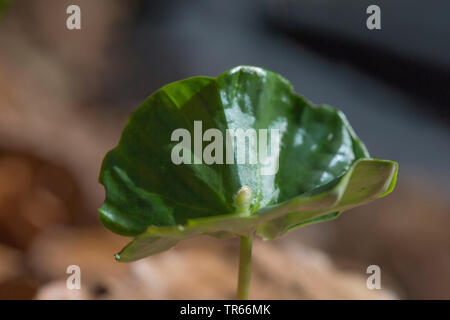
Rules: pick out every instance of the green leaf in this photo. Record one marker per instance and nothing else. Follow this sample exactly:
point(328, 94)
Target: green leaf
point(323, 167)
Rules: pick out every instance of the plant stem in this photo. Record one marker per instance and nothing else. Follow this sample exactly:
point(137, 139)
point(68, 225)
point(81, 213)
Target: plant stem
point(242, 202)
point(245, 268)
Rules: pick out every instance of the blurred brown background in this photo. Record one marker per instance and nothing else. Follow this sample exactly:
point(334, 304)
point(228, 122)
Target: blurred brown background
point(65, 96)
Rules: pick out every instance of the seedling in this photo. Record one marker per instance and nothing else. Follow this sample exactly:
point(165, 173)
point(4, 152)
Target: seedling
point(323, 168)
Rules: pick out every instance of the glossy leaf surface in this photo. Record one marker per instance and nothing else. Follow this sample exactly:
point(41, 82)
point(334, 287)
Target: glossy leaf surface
point(323, 168)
